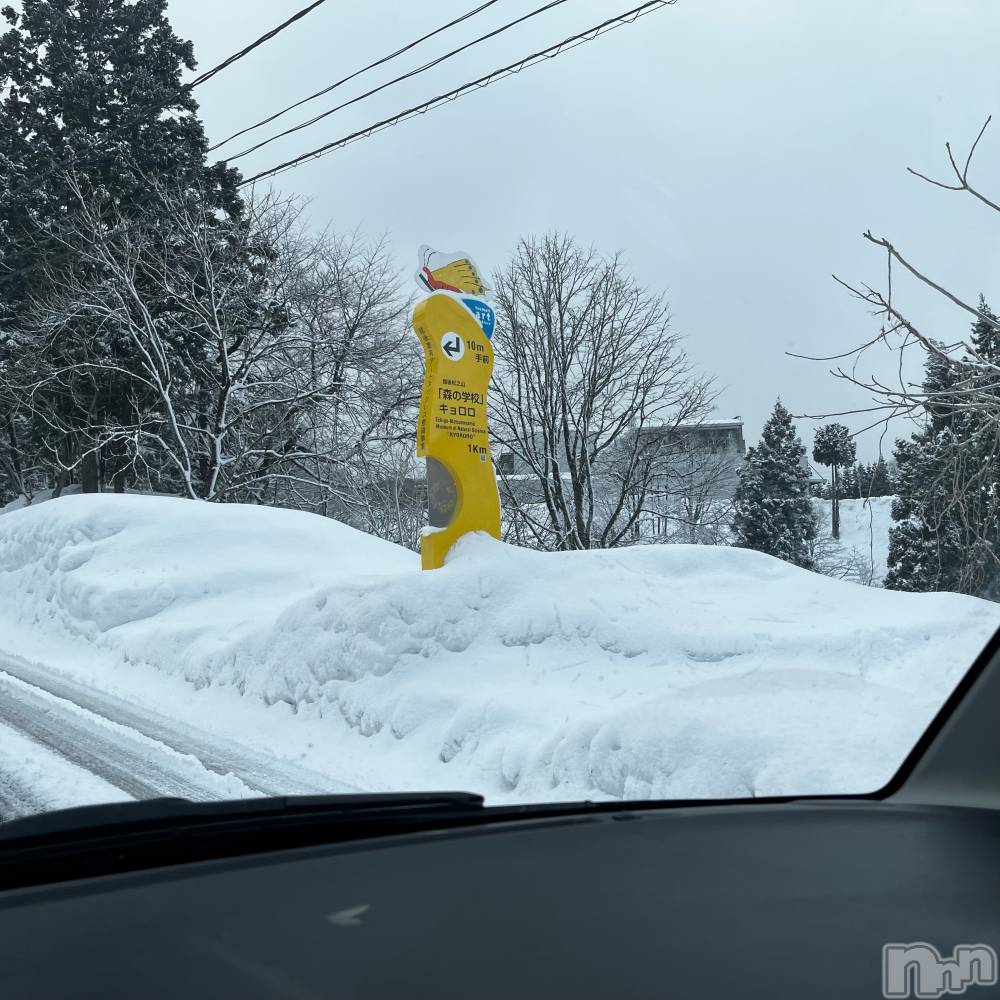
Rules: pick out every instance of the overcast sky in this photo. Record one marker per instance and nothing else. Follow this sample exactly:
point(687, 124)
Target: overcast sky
point(734, 151)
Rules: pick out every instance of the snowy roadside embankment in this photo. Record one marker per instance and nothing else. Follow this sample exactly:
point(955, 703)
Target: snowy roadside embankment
point(863, 550)
point(664, 671)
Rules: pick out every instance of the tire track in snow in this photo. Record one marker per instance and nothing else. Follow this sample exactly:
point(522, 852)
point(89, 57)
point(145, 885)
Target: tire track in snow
point(258, 771)
point(34, 779)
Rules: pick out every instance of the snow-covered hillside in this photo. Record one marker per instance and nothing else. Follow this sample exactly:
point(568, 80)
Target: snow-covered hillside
point(672, 671)
point(863, 549)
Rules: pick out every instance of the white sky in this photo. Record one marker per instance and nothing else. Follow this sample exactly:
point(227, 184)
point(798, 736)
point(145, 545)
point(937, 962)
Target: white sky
point(735, 152)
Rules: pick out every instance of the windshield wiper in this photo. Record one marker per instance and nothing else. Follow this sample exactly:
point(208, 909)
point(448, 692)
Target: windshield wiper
point(124, 836)
point(99, 819)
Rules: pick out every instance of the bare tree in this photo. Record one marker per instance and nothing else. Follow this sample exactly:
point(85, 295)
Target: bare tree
point(187, 327)
point(690, 499)
point(392, 493)
point(351, 313)
point(17, 477)
point(833, 558)
point(249, 361)
point(964, 392)
point(589, 365)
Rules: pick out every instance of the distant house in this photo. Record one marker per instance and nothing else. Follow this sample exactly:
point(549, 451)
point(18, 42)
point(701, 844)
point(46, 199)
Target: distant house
point(695, 473)
point(690, 496)
point(710, 437)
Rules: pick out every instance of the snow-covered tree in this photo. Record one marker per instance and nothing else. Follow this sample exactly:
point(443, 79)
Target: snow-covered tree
point(91, 101)
point(925, 546)
point(946, 534)
point(876, 480)
point(834, 447)
point(773, 512)
point(268, 383)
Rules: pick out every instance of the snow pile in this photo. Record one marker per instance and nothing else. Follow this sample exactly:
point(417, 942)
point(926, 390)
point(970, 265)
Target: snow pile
point(863, 549)
point(663, 671)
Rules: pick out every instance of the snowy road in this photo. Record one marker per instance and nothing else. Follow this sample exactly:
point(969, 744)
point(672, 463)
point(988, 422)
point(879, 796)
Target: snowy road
point(50, 722)
point(16, 797)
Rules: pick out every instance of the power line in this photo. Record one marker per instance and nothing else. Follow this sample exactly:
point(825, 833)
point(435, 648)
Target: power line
point(406, 76)
point(549, 53)
point(237, 56)
point(357, 73)
point(499, 74)
point(154, 112)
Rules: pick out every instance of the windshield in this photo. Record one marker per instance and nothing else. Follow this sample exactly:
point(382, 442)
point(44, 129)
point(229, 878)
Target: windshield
point(414, 398)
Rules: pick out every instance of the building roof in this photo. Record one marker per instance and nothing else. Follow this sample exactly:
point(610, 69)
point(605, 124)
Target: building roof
point(733, 423)
point(712, 424)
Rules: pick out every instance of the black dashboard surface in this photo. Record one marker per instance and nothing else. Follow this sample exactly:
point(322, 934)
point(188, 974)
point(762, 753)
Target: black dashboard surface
point(731, 901)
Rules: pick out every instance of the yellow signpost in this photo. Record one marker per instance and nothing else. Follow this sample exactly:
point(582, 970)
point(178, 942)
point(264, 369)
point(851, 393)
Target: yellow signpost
point(455, 324)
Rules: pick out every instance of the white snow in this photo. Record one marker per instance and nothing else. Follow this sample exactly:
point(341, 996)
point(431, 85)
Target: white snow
point(37, 779)
point(863, 548)
point(664, 671)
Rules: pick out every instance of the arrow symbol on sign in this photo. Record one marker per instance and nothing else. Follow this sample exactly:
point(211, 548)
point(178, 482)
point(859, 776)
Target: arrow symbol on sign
point(453, 347)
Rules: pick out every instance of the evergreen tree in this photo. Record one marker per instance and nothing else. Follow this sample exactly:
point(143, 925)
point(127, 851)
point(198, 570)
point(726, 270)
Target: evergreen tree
point(93, 88)
point(925, 547)
point(92, 108)
point(850, 481)
point(862, 474)
point(879, 482)
point(835, 448)
point(820, 490)
point(985, 336)
point(946, 534)
point(772, 509)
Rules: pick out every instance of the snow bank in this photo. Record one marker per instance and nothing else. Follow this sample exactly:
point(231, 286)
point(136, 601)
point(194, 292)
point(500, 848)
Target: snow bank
point(670, 671)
